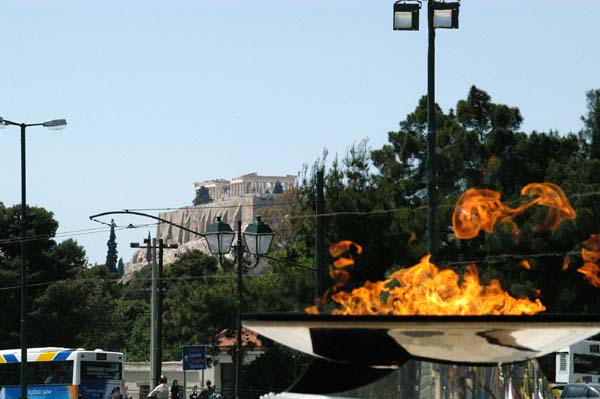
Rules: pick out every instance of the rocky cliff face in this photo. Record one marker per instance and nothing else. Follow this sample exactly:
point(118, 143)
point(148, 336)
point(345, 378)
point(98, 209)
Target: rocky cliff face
point(198, 218)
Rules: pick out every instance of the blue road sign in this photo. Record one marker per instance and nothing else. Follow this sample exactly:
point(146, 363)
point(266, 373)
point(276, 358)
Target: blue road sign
point(194, 357)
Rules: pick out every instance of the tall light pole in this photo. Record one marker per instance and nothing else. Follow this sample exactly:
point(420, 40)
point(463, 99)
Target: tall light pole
point(439, 15)
point(55, 124)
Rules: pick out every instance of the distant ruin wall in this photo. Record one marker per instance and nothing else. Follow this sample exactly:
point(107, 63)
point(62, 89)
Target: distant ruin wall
point(198, 218)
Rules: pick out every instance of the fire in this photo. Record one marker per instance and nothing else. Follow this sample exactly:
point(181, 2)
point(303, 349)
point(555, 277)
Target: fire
point(591, 256)
point(424, 289)
point(525, 264)
point(481, 209)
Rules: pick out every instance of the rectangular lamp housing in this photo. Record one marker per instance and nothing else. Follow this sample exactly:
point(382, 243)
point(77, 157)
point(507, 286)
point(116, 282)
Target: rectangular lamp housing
point(406, 16)
point(445, 15)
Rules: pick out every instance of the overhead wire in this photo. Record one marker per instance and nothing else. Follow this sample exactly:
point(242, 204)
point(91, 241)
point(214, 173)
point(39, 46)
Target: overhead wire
point(73, 233)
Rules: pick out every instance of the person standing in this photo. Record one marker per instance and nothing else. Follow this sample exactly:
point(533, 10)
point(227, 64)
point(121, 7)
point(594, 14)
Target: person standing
point(161, 391)
point(174, 390)
point(208, 391)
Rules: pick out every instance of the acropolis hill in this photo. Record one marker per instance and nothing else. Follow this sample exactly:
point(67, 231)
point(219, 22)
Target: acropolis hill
point(240, 198)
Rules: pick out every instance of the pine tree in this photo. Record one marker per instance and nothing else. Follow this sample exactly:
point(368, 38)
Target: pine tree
point(111, 255)
point(592, 122)
point(121, 268)
point(149, 251)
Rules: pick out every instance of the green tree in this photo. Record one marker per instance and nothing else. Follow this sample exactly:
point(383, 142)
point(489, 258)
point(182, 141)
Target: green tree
point(591, 130)
point(50, 268)
point(120, 268)
point(202, 196)
point(111, 254)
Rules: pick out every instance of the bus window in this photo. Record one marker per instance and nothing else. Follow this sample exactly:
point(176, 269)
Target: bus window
point(38, 373)
point(586, 364)
point(10, 374)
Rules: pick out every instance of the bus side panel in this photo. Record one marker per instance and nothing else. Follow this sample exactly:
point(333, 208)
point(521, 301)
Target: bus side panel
point(41, 392)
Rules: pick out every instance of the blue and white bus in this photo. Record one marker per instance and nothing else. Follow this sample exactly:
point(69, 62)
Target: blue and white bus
point(62, 373)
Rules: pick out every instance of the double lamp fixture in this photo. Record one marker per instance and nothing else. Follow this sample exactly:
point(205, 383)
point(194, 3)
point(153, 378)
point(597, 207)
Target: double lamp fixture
point(406, 14)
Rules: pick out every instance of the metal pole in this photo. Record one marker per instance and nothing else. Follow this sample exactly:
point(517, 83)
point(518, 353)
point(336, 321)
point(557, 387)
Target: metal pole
point(319, 239)
point(431, 137)
point(159, 323)
point(23, 269)
point(238, 338)
point(154, 318)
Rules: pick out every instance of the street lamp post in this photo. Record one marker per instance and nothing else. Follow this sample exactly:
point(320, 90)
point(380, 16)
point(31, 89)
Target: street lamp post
point(55, 124)
point(258, 237)
point(439, 15)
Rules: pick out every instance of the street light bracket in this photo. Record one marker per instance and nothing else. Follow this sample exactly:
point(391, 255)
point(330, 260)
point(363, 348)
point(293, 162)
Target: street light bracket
point(128, 212)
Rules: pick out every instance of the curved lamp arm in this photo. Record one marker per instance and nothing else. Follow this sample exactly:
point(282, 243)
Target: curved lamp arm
point(128, 212)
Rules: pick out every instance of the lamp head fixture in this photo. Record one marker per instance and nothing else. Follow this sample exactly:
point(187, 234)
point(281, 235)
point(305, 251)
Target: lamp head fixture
point(406, 15)
point(445, 15)
point(258, 237)
point(55, 124)
point(219, 237)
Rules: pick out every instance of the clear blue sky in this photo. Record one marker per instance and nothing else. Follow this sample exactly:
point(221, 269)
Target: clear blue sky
point(161, 94)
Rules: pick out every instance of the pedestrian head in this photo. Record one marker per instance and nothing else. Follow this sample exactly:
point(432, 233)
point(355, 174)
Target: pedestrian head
point(163, 379)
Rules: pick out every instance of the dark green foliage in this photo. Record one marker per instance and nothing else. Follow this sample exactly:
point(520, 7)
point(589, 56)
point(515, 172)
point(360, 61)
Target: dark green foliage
point(50, 267)
point(202, 196)
point(591, 131)
point(120, 268)
point(111, 254)
point(200, 299)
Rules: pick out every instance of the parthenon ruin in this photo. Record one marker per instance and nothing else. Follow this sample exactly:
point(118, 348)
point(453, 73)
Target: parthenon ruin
point(246, 184)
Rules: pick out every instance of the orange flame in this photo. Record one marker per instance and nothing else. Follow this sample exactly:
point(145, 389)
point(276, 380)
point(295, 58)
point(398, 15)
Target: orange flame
point(423, 289)
point(481, 209)
point(591, 256)
point(339, 273)
point(553, 197)
point(525, 264)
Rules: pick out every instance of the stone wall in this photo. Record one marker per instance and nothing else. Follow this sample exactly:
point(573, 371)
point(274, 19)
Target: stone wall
point(198, 218)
